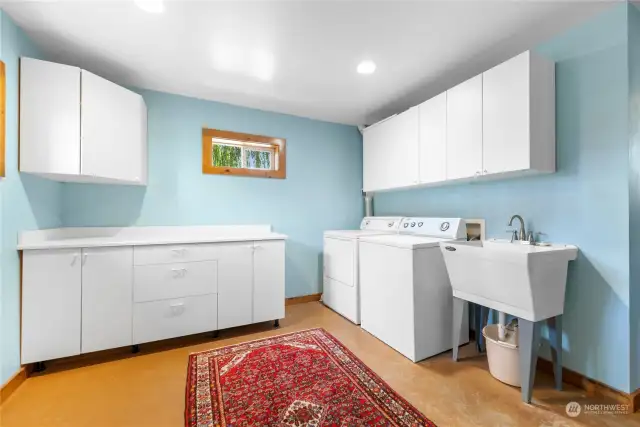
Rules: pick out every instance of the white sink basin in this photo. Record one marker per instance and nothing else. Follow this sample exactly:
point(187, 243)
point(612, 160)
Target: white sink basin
point(522, 280)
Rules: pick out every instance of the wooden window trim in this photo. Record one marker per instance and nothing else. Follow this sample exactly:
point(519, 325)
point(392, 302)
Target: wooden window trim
point(279, 145)
point(3, 103)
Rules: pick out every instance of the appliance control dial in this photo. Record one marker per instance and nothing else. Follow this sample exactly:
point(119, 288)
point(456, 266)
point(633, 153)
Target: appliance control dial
point(406, 224)
point(419, 224)
point(390, 224)
point(413, 224)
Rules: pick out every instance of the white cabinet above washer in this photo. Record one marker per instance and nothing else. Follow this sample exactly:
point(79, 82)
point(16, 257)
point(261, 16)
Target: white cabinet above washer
point(497, 124)
point(76, 126)
point(390, 152)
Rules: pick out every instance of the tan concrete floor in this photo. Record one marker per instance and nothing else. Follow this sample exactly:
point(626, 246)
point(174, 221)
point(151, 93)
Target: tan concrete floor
point(147, 389)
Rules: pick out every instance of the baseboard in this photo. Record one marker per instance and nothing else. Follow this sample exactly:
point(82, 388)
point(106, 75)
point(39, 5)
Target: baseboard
point(593, 387)
point(13, 383)
point(302, 299)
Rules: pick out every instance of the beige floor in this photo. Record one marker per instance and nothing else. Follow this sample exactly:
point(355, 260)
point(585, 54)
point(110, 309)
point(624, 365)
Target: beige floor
point(147, 389)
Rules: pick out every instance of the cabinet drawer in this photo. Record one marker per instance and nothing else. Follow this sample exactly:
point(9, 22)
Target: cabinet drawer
point(164, 281)
point(158, 320)
point(169, 254)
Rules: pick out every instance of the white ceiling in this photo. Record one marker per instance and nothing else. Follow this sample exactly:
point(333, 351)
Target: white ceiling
point(306, 52)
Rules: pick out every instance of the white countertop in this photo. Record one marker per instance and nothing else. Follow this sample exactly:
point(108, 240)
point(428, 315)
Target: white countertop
point(89, 237)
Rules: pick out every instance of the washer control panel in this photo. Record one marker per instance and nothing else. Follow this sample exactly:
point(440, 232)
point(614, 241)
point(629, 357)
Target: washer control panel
point(453, 228)
point(381, 223)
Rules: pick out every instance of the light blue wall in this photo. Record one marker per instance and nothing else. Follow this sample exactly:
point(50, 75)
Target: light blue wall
point(585, 203)
point(634, 190)
point(321, 191)
point(27, 202)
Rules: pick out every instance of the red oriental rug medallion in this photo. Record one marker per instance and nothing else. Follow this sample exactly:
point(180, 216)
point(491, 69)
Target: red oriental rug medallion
point(306, 378)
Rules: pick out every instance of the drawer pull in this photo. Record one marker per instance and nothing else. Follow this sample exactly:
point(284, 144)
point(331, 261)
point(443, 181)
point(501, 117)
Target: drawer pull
point(177, 308)
point(179, 251)
point(179, 272)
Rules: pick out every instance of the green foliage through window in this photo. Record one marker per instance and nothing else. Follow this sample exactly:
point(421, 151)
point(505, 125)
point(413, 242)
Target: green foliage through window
point(238, 156)
point(256, 159)
point(227, 156)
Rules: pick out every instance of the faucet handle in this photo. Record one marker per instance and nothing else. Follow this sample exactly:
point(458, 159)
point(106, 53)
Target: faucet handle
point(530, 238)
point(514, 234)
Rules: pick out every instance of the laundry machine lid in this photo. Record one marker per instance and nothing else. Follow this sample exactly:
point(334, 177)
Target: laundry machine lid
point(404, 241)
point(353, 234)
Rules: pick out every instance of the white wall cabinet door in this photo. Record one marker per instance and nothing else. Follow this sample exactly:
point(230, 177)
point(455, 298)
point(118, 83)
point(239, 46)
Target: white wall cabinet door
point(433, 139)
point(391, 152)
point(49, 118)
point(268, 281)
point(51, 304)
point(107, 288)
point(375, 144)
point(235, 285)
point(505, 118)
point(113, 135)
point(464, 129)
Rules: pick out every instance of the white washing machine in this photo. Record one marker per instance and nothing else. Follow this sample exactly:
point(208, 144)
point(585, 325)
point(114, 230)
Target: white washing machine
point(406, 296)
point(341, 290)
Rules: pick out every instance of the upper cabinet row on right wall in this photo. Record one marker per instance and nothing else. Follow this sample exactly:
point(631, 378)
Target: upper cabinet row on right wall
point(497, 124)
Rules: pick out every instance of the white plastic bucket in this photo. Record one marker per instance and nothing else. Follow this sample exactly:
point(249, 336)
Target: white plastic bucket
point(503, 356)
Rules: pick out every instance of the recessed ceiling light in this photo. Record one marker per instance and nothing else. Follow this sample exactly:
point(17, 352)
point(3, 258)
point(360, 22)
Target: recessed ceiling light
point(151, 6)
point(366, 67)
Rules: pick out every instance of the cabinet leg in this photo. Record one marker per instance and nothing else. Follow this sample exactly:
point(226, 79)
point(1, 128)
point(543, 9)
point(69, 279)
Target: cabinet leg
point(216, 334)
point(135, 349)
point(276, 323)
point(39, 367)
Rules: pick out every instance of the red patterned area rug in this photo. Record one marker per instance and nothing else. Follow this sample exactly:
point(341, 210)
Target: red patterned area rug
point(305, 378)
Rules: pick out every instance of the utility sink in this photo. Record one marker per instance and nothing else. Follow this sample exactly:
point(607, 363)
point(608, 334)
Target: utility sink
point(525, 281)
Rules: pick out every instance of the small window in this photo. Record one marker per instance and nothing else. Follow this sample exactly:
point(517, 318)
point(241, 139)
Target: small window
point(232, 153)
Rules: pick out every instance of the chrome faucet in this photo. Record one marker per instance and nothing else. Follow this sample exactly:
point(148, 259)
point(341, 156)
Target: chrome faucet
point(522, 235)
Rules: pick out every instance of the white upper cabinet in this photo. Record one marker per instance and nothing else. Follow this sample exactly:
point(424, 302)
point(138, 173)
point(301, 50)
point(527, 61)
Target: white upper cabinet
point(113, 124)
point(390, 152)
point(76, 126)
point(49, 118)
point(464, 129)
point(433, 139)
point(519, 116)
point(499, 123)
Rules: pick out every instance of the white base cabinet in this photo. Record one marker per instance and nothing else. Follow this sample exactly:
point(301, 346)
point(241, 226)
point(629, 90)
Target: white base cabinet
point(268, 281)
point(107, 283)
point(89, 299)
point(51, 304)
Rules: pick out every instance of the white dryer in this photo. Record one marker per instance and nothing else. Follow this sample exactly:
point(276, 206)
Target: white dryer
point(341, 290)
point(406, 297)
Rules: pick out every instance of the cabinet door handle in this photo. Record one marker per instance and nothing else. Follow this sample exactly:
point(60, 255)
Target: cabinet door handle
point(257, 247)
point(84, 258)
point(176, 272)
point(485, 172)
point(74, 259)
point(477, 174)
